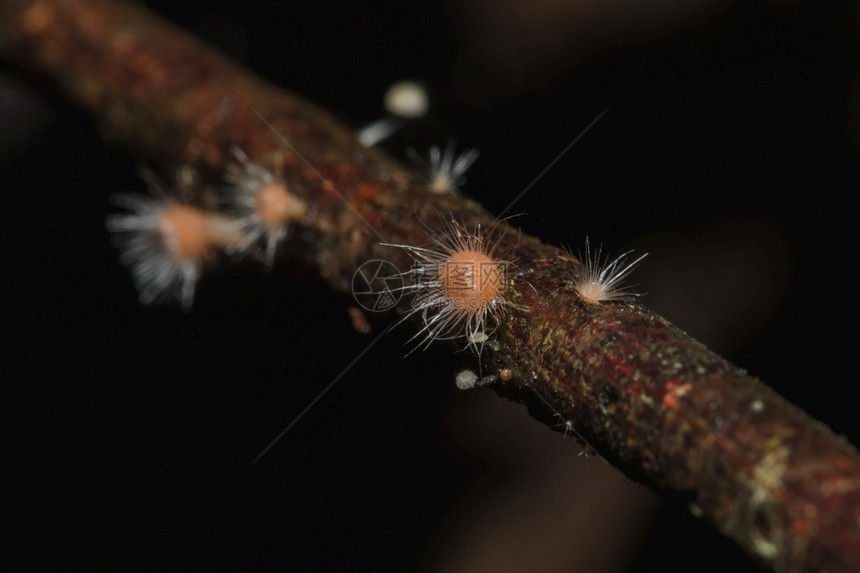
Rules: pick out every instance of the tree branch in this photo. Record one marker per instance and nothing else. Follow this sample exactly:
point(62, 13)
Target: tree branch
point(655, 402)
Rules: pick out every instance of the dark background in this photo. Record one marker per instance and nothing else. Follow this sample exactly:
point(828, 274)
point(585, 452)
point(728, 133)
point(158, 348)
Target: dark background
point(728, 153)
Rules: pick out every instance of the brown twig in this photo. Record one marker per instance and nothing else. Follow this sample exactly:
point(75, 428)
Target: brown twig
point(658, 404)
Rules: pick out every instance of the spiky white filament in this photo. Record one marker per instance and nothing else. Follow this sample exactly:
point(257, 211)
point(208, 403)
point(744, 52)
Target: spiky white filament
point(599, 280)
point(243, 194)
point(145, 247)
point(446, 316)
point(445, 170)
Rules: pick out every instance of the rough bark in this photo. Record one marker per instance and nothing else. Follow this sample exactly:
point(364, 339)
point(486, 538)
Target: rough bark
point(655, 402)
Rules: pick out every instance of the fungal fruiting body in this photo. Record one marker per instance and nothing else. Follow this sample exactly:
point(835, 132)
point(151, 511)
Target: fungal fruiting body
point(467, 380)
point(600, 280)
point(458, 286)
point(405, 100)
point(264, 206)
point(165, 243)
point(445, 171)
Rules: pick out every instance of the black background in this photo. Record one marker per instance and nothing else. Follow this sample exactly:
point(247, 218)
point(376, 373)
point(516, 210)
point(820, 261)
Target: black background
point(727, 154)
